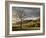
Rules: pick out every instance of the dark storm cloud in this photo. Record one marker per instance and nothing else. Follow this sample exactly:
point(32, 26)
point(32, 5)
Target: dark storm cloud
point(32, 12)
point(27, 12)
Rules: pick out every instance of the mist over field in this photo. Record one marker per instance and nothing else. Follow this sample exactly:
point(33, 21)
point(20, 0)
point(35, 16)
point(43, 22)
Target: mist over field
point(24, 18)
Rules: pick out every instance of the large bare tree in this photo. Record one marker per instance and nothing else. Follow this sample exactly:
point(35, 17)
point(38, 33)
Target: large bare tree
point(20, 14)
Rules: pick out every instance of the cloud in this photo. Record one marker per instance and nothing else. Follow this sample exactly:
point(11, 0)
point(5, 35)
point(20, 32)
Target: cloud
point(27, 12)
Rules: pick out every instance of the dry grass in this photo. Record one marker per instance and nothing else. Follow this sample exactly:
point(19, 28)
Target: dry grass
point(27, 25)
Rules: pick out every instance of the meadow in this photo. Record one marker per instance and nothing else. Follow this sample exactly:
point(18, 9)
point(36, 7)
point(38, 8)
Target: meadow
point(26, 25)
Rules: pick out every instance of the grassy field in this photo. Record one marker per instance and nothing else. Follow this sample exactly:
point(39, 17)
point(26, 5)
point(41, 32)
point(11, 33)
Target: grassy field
point(26, 25)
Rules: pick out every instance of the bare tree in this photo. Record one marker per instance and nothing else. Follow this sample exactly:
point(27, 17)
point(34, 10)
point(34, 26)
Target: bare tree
point(20, 13)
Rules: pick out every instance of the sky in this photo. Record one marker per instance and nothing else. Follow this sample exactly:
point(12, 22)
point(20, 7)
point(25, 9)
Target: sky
point(25, 12)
